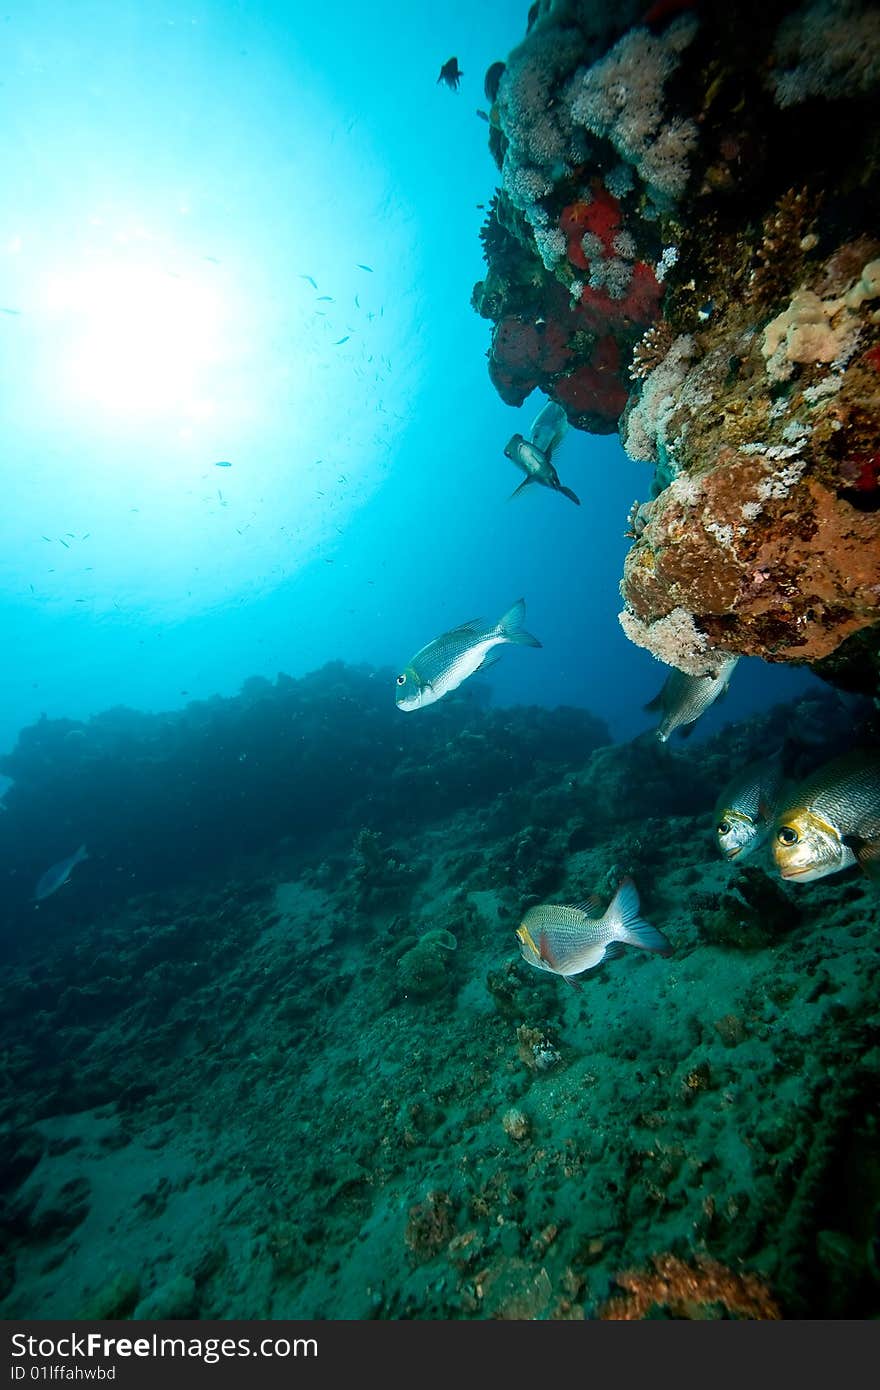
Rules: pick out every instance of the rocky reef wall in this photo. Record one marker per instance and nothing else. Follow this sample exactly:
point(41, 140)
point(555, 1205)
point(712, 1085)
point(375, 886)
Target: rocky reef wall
point(159, 799)
point(684, 247)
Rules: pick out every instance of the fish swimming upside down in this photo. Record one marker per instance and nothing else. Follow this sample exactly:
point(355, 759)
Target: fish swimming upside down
point(443, 664)
point(831, 820)
point(534, 455)
point(569, 939)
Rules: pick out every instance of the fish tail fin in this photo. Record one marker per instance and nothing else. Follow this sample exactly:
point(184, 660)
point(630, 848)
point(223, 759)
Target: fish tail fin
point(623, 916)
point(511, 626)
point(572, 496)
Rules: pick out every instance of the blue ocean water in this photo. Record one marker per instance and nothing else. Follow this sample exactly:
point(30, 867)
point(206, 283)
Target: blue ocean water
point(173, 174)
point(273, 1043)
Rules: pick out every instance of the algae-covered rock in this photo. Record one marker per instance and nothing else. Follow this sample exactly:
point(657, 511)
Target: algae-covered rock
point(424, 969)
point(176, 1298)
point(115, 1299)
point(753, 913)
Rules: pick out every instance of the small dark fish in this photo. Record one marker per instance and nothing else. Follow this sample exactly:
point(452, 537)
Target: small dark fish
point(64, 543)
point(223, 463)
point(483, 115)
point(361, 266)
point(13, 313)
point(342, 340)
point(328, 297)
point(311, 280)
point(357, 302)
point(48, 538)
point(451, 74)
point(215, 260)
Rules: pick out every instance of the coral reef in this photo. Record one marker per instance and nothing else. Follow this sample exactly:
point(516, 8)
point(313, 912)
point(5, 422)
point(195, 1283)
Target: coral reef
point(230, 1055)
point(703, 1290)
point(684, 244)
point(215, 779)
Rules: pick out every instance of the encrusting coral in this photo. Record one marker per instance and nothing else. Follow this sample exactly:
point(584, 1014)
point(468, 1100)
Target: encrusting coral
point(684, 246)
point(698, 1291)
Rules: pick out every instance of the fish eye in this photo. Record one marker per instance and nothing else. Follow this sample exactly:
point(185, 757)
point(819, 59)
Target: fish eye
point(787, 835)
point(724, 827)
point(401, 680)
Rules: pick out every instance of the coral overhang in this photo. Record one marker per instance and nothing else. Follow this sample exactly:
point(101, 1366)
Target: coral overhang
point(684, 247)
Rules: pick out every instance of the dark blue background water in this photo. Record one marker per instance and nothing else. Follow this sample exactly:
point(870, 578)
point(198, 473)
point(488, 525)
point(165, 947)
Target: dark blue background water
point(173, 173)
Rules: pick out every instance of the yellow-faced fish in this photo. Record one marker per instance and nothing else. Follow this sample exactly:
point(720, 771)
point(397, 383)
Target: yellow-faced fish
point(684, 698)
point(832, 820)
point(443, 664)
point(567, 940)
point(534, 455)
point(747, 806)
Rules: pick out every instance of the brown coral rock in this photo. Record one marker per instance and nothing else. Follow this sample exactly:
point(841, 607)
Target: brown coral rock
point(704, 1290)
point(783, 577)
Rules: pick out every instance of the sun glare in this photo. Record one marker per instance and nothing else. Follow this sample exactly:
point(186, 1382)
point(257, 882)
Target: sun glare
point(137, 339)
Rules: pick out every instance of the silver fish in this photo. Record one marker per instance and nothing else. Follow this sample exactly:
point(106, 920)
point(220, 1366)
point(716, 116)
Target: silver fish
point(533, 455)
point(832, 820)
point(57, 876)
point(443, 664)
point(684, 698)
point(567, 940)
point(746, 808)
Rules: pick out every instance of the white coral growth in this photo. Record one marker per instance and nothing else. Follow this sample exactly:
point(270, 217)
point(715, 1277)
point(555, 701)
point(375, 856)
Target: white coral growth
point(646, 426)
point(675, 640)
point(621, 98)
point(829, 48)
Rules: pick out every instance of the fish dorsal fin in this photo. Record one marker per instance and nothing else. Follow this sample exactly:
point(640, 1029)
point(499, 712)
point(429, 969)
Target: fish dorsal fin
point(472, 625)
point(592, 906)
point(656, 703)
